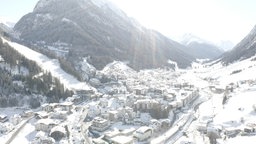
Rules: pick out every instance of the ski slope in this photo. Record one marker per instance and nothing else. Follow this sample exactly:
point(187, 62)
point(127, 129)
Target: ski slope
point(50, 65)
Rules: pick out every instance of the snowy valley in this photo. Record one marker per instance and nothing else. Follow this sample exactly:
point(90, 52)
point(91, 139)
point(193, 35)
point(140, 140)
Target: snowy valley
point(204, 103)
point(84, 72)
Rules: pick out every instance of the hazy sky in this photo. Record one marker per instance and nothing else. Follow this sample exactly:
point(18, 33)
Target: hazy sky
point(213, 20)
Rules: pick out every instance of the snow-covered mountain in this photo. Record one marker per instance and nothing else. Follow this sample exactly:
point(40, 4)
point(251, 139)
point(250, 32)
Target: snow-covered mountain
point(200, 48)
point(98, 29)
point(243, 50)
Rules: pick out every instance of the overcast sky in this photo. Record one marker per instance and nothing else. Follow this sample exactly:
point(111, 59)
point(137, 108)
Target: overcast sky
point(213, 20)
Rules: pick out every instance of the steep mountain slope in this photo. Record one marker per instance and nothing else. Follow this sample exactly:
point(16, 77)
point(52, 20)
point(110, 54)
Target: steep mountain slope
point(98, 29)
point(243, 50)
point(200, 48)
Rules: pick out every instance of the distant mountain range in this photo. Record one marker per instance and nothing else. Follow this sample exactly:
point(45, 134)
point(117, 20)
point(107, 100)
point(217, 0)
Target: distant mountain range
point(200, 48)
point(99, 30)
point(243, 50)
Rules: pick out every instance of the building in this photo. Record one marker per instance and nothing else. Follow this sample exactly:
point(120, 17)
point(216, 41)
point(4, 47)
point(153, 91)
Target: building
point(15, 119)
point(122, 140)
point(143, 133)
point(28, 113)
point(100, 124)
point(3, 118)
point(45, 125)
point(145, 105)
point(66, 106)
point(48, 107)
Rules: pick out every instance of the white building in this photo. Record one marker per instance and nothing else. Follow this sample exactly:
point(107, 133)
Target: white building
point(143, 133)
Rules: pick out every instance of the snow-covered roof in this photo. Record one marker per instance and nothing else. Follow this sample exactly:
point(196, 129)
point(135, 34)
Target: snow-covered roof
point(122, 139)
point(47, 121)
point(2, 116)
point(58, 129)
point(143, 129)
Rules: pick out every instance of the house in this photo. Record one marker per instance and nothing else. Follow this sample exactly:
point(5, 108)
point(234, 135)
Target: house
point(15, 119)
point(58, 132)
point(41, 115)
point(28, 113)
point(3, 118)
point(45, 125)
point(100, 124)
point(143, 133)
point(122, 140)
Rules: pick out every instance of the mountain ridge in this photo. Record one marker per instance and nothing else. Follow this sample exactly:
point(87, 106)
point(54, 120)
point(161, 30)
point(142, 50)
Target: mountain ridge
point(246, 48)
point(99, 31)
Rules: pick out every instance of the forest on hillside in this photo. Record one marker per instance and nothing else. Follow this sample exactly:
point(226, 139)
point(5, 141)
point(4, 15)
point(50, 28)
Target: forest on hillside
point(21, 77)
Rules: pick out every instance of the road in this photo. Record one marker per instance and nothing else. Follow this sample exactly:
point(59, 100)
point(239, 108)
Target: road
point(180, 126)
point(18, 130)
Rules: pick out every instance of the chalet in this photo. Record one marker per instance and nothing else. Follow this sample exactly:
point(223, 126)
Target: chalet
point(143, 133)
point(45, 125)
point(122, 140)
point(3, 118)
point(100, 124)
